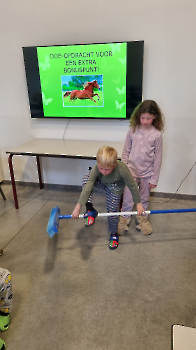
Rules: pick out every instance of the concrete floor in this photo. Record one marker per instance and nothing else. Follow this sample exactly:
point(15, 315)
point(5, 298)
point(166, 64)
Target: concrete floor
point(72, 292)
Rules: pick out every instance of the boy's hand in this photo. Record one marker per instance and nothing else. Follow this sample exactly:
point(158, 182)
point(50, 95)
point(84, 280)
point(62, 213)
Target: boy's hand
point(140, 209)
point(76, 211)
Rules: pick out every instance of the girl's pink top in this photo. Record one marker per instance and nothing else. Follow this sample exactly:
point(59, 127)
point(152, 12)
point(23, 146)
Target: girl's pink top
point(142, 153)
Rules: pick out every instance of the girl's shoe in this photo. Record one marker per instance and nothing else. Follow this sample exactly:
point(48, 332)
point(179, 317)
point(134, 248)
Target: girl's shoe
point(2, 344)
point(123, 225)
point(4, 322)
point(143, 225)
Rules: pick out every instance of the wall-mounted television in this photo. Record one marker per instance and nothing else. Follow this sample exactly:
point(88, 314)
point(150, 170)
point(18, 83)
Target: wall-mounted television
point(99, 81)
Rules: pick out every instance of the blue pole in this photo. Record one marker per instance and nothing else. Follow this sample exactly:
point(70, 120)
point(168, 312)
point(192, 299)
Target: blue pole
point(170, 211)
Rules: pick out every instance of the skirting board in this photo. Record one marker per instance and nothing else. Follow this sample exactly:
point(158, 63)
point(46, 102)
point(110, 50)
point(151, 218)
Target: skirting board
point(78, 189)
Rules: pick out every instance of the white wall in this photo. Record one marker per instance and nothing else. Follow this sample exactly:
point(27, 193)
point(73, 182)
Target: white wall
point(168, 29)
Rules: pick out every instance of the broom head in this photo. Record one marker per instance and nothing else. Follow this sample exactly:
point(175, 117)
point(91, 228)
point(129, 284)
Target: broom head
point(53, 223)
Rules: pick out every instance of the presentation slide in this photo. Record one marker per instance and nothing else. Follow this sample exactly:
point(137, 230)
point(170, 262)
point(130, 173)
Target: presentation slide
point(83, 80)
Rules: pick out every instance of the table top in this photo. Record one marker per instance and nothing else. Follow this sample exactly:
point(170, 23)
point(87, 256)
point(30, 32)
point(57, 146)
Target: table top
point(64, 148)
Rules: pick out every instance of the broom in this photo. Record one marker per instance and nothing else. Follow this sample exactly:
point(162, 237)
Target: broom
point(53, 223)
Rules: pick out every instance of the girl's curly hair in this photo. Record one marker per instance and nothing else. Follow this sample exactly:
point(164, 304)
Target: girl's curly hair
point(151, 107)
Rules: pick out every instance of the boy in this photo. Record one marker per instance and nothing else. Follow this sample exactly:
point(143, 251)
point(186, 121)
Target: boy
point(112, 176)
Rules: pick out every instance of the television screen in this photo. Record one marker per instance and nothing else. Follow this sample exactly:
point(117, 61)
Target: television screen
point(84, 81)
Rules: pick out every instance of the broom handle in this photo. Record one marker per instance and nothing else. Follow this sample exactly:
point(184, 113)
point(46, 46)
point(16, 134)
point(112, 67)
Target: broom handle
point(167, 211)
point(103, 214)
point(120, 213)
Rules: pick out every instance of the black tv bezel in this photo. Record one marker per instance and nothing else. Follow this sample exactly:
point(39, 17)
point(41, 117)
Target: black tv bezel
point(134, 79)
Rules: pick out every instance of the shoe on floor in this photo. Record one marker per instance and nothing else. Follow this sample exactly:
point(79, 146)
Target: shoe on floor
point(4, 322)
point(123, 225)
point(143, 225)
point(2, 344)
point(113, 241)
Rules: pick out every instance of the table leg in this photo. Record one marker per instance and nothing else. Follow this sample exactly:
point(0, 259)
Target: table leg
point(39, 173)
point(13, 180)
point(1, 191)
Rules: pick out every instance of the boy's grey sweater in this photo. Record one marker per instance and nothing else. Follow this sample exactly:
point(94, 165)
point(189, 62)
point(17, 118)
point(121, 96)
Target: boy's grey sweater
point(116, 182)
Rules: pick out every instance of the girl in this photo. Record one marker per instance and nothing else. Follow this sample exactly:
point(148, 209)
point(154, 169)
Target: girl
point(142, 154)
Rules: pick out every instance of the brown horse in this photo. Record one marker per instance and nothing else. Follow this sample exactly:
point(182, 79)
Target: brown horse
point(87, 93)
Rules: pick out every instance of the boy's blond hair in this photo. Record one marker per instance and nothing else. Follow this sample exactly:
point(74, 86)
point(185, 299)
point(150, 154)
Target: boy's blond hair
point(107, 156)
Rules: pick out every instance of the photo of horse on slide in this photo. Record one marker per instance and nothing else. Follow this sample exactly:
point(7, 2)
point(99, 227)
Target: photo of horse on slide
point(82, 88)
